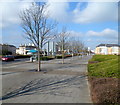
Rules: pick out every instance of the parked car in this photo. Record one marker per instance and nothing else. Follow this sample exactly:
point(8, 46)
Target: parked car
point(8, 58)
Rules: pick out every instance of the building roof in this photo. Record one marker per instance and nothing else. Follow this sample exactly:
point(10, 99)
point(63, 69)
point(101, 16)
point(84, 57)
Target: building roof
point(8, 45)
point(27, 46)
point(11, 45)
point(108, 45)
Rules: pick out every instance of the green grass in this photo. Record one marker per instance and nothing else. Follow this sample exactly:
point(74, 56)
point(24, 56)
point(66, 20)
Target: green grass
point(102, 58)
point(107, 66)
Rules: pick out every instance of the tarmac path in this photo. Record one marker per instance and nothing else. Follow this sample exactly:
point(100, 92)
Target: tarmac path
point(56, 83)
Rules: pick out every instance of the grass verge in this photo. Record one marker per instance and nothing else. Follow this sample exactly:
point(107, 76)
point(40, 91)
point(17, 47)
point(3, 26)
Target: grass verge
point(104, 75)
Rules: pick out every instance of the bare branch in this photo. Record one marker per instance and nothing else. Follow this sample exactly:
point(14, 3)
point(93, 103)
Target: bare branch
point(36, 25)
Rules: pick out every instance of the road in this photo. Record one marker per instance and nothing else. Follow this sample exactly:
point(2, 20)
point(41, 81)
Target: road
point(56, 83)
point(16, 60)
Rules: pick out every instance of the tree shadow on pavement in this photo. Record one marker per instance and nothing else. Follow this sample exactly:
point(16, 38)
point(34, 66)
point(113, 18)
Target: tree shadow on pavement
point(45, 86)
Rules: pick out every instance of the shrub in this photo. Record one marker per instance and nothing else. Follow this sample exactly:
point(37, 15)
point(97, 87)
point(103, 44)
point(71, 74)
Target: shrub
point(68, 56)
point(45, 58)
point(58, 57)
point(6, 52)
point(22, 56)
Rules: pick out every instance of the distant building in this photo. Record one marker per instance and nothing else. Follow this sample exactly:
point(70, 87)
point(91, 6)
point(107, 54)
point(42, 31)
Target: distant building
point(8, 48)
point(106, 49)
point(24, 49)
point(48, 49)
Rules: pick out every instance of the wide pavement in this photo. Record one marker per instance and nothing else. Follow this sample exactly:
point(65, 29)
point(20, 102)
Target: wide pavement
point(56, 83)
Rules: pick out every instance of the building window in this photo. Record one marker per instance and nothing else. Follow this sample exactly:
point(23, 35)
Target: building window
point(114, 49)
point(100, 50)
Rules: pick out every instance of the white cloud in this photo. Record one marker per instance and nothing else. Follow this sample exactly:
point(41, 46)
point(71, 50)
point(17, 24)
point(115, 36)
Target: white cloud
point(75, 34)
point(70, 0)
point(106, 33)
point(93, 38)
point(58, 10)
point(105, 36)
point(103, 0)
point(96, 12)
point(10, 11)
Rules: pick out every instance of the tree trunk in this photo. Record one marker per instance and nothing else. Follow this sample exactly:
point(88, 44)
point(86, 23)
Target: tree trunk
point(48, 48)
point(39, 61)
point(62, 57)
point(62, 54)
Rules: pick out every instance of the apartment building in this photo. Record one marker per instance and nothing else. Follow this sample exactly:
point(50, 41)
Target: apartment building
point(108, 49)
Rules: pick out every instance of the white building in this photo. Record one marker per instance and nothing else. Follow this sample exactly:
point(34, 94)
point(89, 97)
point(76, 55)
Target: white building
point(24, 49)
point(104, 49)
point(49, 47)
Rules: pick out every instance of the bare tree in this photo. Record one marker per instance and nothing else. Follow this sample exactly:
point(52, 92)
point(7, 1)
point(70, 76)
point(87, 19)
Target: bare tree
point(76, 45)
point(62, 41)
point(37, 26)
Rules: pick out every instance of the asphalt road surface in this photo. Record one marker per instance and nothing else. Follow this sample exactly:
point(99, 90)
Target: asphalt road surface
point(16, 60)
point(56, 83)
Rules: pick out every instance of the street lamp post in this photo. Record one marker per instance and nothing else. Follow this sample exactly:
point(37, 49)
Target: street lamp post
point(88, 50)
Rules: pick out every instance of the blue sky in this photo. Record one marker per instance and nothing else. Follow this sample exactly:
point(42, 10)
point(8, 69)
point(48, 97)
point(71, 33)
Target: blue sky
point(92, 22)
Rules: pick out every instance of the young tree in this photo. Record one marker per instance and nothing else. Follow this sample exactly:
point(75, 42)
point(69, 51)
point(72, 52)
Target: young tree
point(62, 41)
point(37, 26)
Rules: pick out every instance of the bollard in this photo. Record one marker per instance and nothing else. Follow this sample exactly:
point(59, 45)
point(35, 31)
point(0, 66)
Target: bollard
point(31, 59)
